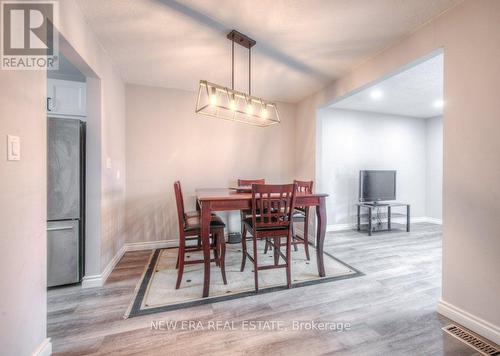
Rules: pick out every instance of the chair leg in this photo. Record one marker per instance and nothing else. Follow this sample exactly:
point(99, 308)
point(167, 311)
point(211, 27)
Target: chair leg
point(177, 263)
point(242, 217)
point(243, 248)
point(266, 247)
point(216, 245)
point(181, 259)
point(255, 266)
point(277, 242)
point(289, 261)
point(295, 248)
point(306, 234)
point(222, 256)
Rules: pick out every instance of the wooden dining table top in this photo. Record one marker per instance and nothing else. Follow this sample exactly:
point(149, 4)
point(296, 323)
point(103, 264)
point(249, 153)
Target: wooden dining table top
point(234, 194)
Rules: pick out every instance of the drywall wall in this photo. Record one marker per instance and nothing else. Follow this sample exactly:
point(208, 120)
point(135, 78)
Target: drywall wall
point(354, 140)
point(434, 168)
point(470, 38)
point(23, 213)
point(167, 141)
point(113, 166)
point(105, 235)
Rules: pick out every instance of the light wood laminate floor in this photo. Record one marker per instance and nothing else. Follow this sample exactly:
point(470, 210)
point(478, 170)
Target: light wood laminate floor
point(392, 309)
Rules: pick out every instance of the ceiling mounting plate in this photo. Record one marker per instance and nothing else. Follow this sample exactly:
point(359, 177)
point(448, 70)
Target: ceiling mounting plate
point(241, 39)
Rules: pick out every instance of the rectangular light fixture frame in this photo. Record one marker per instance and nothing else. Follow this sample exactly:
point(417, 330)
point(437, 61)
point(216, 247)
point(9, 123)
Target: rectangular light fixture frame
point(233, 105)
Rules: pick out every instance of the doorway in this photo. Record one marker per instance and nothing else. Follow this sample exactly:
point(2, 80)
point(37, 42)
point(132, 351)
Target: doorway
point(394, 124)
point(74, 94)
point(66, 154)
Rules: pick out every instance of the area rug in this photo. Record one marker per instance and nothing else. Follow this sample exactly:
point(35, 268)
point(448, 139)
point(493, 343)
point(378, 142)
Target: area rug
point(156, 291)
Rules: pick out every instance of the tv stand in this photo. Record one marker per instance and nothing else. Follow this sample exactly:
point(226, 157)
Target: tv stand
point(376, 203)
point(389, 205)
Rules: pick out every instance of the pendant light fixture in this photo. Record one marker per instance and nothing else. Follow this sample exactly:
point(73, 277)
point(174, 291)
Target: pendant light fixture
point(226, 103)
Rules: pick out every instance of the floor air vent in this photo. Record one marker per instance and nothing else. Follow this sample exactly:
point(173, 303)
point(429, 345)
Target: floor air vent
point(471, 340)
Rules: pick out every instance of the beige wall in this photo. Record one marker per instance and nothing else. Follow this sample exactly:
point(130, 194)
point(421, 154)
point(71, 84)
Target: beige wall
point(113, 177)
point(23, 214)
point(106, 235)
point(167, 141)
point(470, 37)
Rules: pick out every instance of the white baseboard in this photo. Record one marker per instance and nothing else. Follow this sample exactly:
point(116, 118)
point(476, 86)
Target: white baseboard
point(418, 219)
point(92, 281)
point(478, 325)
point(44, 349)
point(400, 220)
point(434, 221)
point(149, 245)
point(98, 280)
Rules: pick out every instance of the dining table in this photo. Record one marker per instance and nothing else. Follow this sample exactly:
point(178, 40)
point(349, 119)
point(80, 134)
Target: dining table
point(210, 200)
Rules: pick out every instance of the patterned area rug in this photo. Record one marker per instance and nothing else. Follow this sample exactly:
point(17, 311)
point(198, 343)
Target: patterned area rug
point(156, 291)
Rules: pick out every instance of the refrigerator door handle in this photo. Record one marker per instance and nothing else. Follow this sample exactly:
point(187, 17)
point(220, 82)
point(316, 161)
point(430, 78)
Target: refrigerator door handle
point(67, 227)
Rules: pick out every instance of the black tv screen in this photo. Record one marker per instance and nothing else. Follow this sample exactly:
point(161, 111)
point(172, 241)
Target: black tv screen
point(377, 185)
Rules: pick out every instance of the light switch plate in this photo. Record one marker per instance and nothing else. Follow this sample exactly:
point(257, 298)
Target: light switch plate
point(13, 148)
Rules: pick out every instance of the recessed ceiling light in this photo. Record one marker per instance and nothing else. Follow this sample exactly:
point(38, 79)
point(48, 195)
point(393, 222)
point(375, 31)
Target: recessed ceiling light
point(376, 94)
point(439, 103)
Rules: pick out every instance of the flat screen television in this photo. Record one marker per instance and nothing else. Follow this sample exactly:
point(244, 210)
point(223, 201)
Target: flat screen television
point(375, 186)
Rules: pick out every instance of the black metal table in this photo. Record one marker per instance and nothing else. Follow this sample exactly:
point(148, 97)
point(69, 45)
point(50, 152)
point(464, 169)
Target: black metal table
point(370, 206)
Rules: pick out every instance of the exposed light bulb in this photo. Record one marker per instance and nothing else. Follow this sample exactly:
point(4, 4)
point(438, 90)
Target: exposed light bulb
point(439, 103)
point(232, 103)
point(250, 109)
point(376, 94)
point(264, 113)
point(213, 97)
point(213, 100)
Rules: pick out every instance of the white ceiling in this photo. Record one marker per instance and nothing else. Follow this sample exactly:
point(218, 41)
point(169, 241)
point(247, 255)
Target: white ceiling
point(412, 92)
point(301, 44)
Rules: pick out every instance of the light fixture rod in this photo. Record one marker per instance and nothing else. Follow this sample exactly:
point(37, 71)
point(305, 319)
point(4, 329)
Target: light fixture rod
point(232, 63)
point(247, 42)
point(250, 71)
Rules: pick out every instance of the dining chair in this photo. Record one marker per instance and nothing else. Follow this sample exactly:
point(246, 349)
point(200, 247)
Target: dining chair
point(275, 203)
point(245, 182)
point(300, 213)
point(190, 229)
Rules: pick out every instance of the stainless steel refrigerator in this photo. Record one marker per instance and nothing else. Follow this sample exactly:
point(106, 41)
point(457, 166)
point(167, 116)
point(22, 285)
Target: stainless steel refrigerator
point(65, 201)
